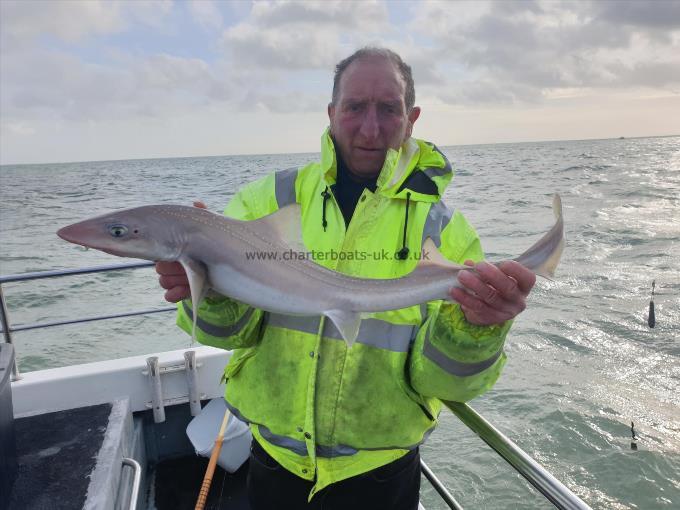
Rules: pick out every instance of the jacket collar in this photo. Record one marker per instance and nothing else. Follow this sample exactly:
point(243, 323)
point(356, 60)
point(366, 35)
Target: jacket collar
point(418, 168)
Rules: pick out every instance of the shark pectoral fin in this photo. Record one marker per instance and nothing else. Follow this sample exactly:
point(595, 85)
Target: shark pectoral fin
point(198, 278)
point(287, 224)
point(347, 323)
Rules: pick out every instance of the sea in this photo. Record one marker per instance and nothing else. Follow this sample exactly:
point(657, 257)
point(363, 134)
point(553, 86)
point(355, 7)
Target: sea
point(583, 363)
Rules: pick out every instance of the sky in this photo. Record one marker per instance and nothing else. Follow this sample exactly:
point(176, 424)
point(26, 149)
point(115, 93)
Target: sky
point(88, 80)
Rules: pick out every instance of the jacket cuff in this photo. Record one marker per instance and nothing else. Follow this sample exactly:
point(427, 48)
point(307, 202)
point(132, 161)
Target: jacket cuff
point(455, 360)
point(222, 322)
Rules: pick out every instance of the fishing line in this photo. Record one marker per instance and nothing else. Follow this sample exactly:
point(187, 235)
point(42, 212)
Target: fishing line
point(224, 481)
point(651, 318)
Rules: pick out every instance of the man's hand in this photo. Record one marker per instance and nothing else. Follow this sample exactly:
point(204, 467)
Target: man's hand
point(173, 278)
point(493, 294)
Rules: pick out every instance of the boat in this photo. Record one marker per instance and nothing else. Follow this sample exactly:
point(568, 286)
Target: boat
point(111, 434)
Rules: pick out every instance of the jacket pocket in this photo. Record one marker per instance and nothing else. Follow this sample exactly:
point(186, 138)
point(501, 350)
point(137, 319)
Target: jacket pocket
point(238, 359)
point(417, 399)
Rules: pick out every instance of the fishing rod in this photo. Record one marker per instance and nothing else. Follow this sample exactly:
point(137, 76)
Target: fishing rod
point(212, 464)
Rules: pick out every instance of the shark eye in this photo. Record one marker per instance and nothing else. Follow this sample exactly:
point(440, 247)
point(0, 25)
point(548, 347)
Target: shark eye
point(118, 230)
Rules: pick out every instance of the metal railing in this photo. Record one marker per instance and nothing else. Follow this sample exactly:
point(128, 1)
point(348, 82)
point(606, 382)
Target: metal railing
point(553, 490)
point(8, 329)
point(439, 487)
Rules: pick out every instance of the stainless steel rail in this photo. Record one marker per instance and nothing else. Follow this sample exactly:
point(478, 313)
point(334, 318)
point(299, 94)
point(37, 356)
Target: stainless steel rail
point(439, 487)
point(557, 493)
point(68, 272)
point(136, 481)
point(7, 328)
point(554, 490)
point(7, 332)
point(41, 325)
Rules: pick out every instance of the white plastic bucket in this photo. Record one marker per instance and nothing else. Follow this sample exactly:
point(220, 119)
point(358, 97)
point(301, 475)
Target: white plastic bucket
point(203, 429)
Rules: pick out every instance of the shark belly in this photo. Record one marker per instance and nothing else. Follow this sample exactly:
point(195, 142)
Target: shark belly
point(262, 292)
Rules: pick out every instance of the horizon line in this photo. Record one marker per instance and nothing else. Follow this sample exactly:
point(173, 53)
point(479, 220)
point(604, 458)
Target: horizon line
point(316, 152)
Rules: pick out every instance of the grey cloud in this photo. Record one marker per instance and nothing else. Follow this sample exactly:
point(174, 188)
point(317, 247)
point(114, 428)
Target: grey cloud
point(251, 47)
point(301, 35)
point(530, 48)
point(43, 83)
point(504, 31)
point(313, 13)
point(647, 74)
point(69, 21)
point(489, 92)
point(286, 102)
point(662, 14)
point(425, 72)
point(513, 6)
point(21, 22)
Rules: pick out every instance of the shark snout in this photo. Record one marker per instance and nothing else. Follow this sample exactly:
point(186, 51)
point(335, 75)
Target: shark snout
point(68, 234)
point(79, 233)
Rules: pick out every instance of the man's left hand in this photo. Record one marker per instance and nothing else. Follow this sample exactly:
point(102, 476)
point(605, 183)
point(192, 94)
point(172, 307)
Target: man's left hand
point(493, 294)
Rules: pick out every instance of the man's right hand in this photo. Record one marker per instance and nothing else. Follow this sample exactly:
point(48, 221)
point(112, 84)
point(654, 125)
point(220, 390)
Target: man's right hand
point(173, 278)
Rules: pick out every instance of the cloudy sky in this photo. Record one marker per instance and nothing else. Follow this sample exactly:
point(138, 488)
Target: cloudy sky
point(91, 80)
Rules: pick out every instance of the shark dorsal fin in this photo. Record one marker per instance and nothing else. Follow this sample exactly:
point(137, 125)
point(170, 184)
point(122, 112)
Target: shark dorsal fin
point(286, 224)
point(431, 256)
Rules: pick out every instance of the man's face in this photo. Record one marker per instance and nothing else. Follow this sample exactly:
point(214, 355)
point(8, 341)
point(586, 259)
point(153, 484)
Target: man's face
point(370, 115)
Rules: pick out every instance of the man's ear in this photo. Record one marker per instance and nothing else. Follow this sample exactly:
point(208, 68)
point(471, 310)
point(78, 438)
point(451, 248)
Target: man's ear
point(331, 112)
point(412, 118)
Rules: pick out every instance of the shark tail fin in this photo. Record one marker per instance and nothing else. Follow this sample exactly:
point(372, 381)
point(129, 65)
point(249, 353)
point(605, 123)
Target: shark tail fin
point(542, 258)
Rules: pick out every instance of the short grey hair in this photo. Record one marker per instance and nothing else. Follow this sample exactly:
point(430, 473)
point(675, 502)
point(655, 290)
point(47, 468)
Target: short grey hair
point(373, 52)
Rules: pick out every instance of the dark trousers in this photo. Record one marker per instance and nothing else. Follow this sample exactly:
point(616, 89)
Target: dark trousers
point(395, 486)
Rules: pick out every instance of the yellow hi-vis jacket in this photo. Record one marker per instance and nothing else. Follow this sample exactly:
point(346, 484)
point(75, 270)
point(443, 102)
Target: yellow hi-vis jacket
point(324, 411)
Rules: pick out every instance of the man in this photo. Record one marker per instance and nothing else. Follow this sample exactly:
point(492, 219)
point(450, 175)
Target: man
point(337, 427)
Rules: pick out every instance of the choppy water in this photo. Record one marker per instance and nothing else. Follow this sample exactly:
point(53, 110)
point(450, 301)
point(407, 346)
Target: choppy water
point(582, 362)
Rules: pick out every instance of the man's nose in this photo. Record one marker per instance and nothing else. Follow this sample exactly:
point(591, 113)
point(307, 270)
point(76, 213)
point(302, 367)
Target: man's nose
point(370, 126)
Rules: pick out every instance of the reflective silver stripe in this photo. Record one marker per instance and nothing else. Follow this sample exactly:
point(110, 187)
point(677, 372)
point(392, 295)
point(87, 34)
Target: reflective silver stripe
point(219, 331)
point(341, 450)
point(454, 367)
point(433, 171)
point(447, 166)
point(285, 187)
point(423, 312)
point(304, 324)
point(236, 412)
point(377, 333)
point(373, 332)
point(437, 218)
point(288, 443)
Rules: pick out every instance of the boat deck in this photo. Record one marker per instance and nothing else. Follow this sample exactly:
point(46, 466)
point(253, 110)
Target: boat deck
point(72, 460)
point(56, 454)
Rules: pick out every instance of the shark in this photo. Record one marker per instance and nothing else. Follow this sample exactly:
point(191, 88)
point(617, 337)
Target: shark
point(217, 253)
